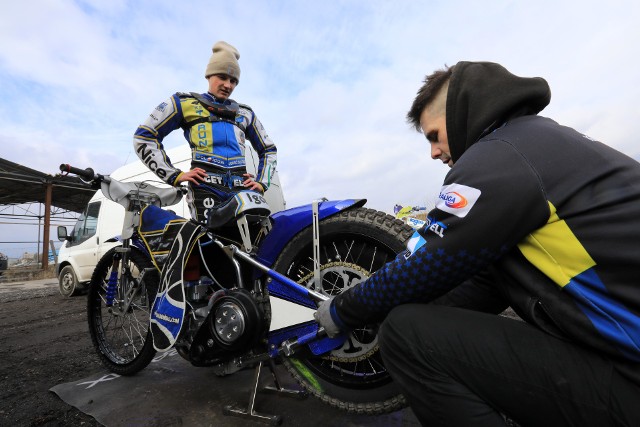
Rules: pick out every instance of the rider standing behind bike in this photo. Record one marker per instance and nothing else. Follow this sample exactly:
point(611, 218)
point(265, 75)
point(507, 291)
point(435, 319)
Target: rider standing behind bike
point(215, 128)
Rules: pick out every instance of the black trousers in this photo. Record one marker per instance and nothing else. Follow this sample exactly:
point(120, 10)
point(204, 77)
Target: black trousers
point(460, 367)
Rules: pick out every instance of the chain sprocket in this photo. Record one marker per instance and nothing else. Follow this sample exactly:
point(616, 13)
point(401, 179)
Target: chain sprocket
point(362, 343)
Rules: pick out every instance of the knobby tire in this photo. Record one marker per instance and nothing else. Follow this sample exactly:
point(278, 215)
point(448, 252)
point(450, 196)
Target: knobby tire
point(353, 243)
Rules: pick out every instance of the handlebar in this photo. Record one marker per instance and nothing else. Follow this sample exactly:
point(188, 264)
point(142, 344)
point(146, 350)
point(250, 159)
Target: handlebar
point(123, 192)
point(87, 174)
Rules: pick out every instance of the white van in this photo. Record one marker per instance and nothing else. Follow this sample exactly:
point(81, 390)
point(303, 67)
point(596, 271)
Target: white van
point(102, 220)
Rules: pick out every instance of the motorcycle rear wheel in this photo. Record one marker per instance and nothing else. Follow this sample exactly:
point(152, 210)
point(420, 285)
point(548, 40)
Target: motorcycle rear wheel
point(121, 334)
point(353, 245)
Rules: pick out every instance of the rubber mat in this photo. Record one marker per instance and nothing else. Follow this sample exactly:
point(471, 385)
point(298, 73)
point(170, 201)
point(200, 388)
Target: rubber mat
point(172, 392)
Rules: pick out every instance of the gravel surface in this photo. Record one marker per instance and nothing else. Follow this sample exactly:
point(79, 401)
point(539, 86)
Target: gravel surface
point(44, 341)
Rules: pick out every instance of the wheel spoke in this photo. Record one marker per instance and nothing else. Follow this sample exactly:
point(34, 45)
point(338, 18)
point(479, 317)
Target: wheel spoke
point(375, 250)
point(349, 247)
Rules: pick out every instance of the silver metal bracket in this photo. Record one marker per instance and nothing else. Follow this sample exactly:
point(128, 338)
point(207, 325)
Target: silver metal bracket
point(243, 226)
point(316, 245)
point(230, 251)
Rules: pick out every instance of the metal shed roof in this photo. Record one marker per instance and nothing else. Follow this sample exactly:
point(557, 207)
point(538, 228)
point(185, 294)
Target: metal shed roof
point(20, 184)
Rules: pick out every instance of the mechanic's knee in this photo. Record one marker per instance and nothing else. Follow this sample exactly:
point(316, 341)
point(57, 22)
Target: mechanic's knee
point(415, 335)
point(411, 323)
point(396, 329)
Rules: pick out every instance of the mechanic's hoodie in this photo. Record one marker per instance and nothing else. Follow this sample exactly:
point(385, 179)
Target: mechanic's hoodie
point(482, 96)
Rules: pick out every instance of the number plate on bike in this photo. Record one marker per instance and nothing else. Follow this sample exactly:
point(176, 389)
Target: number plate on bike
point(251, 200)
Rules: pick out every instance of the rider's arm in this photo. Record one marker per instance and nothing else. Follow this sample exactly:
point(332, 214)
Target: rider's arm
point(147, 140)
point(264, 148)
point(481, 212)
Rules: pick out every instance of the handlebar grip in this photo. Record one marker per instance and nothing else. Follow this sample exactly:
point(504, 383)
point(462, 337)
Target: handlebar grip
point(87, 174)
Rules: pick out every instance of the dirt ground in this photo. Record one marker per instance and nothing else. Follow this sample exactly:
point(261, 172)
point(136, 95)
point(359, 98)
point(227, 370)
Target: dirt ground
point(44, 341)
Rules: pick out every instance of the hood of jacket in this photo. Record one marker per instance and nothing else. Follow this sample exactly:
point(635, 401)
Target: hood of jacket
point(482, 96)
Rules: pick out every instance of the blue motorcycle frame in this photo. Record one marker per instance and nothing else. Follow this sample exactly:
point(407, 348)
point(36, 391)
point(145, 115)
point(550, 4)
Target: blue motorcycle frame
point(285, 225)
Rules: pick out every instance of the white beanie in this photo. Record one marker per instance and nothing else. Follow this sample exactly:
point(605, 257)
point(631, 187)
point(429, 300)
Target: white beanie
point(224, 60)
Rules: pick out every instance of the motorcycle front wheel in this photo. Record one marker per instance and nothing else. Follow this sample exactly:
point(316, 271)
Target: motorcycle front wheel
point(118, 311)
point(353, 245)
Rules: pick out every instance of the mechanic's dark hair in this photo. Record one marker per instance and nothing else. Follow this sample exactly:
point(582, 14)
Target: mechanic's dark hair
point(427, 93)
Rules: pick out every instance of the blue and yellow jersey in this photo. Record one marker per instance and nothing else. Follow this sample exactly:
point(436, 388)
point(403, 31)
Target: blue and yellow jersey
point(214, 141)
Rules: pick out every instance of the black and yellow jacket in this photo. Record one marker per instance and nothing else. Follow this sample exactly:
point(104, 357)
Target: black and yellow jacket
point(532, 215)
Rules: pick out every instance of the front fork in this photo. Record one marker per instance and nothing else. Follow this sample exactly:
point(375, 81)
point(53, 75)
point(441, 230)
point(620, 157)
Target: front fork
point(112, 283)
point(122, 278)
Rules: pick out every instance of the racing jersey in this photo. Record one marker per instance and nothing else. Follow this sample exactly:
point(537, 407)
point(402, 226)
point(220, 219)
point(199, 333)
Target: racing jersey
point(217, 141)
point(533, 214)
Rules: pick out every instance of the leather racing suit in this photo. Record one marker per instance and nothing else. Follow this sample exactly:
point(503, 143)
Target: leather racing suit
point(216, 132)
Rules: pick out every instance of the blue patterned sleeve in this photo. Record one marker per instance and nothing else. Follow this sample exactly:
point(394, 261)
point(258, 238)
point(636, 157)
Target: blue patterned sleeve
point(422, 277)
point(480, 213)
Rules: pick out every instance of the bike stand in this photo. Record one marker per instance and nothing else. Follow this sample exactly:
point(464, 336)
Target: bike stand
point(250, 412)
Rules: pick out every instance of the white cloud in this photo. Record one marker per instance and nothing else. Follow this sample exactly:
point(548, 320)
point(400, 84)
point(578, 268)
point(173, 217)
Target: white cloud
point(330, 81)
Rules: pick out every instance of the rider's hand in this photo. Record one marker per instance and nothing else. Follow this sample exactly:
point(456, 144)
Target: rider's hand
point(251, 183)
point(323, 317)
point(194, 176)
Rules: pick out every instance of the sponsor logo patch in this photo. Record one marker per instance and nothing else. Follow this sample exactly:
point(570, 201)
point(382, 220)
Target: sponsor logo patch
point(435, 226)
point(415, 223)
point(415, 242)
point(146, 155)
point(167, 318)
point(457, 199)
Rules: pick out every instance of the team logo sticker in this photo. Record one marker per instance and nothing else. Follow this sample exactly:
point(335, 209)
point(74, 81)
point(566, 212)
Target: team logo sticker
point(457, 199)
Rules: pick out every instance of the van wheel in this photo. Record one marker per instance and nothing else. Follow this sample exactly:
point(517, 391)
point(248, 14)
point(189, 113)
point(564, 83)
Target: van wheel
point(68, 282)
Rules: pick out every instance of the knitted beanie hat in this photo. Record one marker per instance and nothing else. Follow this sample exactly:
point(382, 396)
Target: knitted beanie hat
point(224, 60)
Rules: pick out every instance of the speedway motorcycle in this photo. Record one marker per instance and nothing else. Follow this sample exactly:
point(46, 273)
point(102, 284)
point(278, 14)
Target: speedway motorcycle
point(240, 291)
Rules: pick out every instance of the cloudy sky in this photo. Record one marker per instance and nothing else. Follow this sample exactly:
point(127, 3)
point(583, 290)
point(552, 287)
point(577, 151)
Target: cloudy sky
point(330, 80)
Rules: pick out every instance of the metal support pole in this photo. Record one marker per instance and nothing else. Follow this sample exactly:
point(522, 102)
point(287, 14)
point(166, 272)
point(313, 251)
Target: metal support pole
point(47, 225)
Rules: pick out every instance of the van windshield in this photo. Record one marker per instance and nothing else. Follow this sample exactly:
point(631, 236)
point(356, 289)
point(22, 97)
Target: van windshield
point(87, 224)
